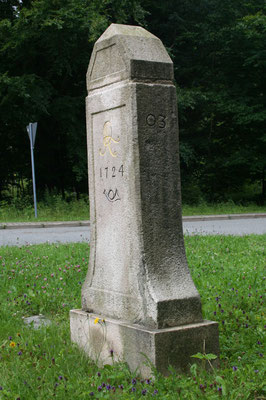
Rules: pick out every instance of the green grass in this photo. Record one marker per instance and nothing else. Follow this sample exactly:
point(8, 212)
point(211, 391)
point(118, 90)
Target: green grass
point(43, 364)
point(56, 209)
point(222, 208)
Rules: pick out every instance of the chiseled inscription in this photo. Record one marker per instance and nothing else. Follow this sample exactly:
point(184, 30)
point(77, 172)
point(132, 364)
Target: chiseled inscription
point(159, 121)
point(108, 140)
point(109, 143)
point(113, 172)
point(111, 195)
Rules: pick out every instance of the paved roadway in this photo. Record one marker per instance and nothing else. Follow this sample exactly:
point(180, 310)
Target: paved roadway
point(238, 227)
point(22, 234)
point(25, 236)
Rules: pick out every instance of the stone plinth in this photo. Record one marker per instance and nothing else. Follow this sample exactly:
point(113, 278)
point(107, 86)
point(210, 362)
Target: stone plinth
point(135, 344)
point(138, 271)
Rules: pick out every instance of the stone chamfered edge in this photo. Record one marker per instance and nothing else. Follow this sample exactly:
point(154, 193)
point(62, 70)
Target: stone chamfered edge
point(136, 344)
point(142, 61)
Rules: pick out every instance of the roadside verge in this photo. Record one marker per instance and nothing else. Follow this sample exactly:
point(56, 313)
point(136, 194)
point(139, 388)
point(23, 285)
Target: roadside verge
point(60, 224)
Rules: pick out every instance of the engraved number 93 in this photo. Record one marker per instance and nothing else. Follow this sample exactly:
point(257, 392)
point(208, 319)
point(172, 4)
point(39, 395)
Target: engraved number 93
point(159, 121)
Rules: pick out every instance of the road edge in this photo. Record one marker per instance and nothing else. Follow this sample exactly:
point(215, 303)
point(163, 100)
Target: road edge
point(62, 224)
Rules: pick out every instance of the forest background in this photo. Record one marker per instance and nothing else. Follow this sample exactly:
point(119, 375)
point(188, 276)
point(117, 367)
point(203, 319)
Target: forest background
point(219, 55)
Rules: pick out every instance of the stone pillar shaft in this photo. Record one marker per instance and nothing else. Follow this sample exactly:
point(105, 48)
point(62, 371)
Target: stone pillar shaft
point(138, 273)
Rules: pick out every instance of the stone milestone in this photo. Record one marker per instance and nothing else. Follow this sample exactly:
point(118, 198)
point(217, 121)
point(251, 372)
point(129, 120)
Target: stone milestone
point(138, 282)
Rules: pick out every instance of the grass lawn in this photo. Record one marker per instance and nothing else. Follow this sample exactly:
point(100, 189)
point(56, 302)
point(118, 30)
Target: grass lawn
point(43, 364)
point(55, 209)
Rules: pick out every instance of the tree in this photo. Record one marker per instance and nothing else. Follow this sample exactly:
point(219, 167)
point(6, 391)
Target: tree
point(45, 51)
point(219, 57)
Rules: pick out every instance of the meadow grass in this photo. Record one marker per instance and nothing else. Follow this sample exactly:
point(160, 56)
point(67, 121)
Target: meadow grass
point(56, 209)
point(44, 364)
point(222, 208)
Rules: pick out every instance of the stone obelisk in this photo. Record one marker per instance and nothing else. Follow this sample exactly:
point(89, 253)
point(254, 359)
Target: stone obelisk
point(138, 283)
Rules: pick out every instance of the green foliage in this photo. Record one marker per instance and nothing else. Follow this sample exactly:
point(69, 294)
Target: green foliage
point(229, 273)
point(219, 60)
point(44, 55)
point(207, 357)
point(51, 208)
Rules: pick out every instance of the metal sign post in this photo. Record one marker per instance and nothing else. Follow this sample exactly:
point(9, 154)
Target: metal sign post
point(31, 129)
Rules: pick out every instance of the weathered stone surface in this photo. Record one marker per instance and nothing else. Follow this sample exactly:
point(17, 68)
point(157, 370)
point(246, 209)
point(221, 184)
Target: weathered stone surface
point(132, 343)
point(128, 52)
point(138, 271)
point(37, 321)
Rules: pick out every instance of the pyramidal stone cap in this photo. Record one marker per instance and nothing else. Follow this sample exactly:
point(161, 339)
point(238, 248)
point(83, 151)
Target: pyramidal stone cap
point(132, 53)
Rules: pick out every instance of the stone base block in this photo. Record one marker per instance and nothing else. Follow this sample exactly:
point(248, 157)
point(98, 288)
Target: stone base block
point(135, 344)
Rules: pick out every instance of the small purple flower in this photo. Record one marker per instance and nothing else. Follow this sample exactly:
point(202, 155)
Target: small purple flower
point(219, 305)
point(121, 387)
point(91, 394)
point(60, 377)
point(108, 387)
point(260, 354)
point(1, 388)
point(217, 299)
point(134, 381)
point(144, 392)
point(220, 389)
point(214, 313)
point(19, 353)
point(234, 368)
point(256, 371)
point(148, 381)
point(246, 325)
point(201, 386)
point(103, 384)
point(99, 388)
point(223, 322)
point(155, 391)
point(259, 343)
point(133, 389)
point(111, 352)
point(99, 374)
point(10, 337)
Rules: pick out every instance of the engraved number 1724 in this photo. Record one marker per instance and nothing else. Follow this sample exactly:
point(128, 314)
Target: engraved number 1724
point(111, 172)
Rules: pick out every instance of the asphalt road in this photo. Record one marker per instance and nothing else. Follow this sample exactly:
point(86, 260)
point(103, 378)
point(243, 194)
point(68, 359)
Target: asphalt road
point(237, 227)
point(64, 234)
point(20, 237)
